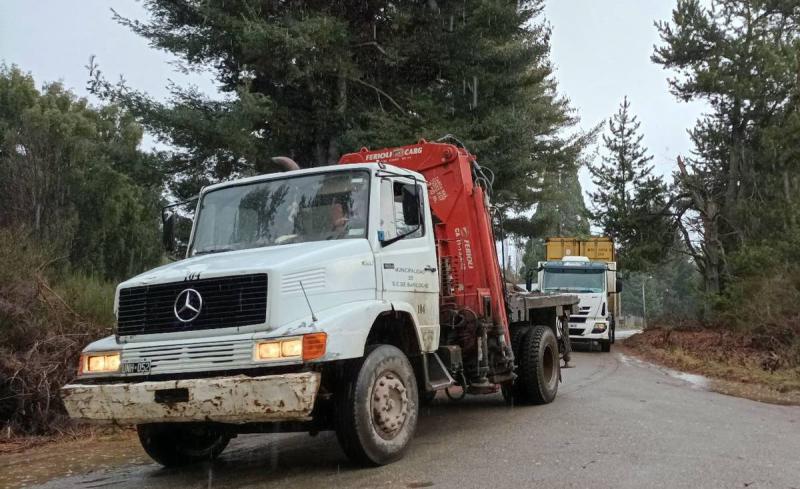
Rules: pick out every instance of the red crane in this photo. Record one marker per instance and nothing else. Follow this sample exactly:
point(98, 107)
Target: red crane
point(472, 288)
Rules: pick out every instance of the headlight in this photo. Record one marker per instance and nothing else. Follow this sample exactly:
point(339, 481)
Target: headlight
point(95, 363)
point(306, 347)
point(599, 328)
point(268, 351)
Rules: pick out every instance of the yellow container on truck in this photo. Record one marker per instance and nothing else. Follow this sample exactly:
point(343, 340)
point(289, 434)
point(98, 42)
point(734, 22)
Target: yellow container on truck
point(587, 268)
point(600, 248)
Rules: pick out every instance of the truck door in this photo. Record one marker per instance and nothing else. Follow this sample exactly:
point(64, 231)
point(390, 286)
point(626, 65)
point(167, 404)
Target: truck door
point(408, 265)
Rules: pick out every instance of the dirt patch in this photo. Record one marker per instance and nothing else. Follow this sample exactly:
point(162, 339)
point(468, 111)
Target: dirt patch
point(27, 461)
point(755, 365)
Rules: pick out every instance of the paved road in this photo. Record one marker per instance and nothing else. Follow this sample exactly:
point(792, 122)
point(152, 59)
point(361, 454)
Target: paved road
point(616, 423)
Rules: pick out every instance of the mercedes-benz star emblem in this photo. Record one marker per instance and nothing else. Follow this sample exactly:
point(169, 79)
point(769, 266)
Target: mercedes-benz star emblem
point(188, 305)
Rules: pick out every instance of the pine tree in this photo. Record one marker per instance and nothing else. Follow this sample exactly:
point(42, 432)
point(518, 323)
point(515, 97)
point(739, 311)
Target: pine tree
point(740, 185)
point(630, 203)
point(314, 79)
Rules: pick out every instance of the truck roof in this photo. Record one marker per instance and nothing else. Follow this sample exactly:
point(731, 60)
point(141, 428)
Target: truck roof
point(593, 265)
point(310, 171)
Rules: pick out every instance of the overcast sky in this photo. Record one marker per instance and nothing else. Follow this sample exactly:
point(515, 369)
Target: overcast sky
point(601, 49)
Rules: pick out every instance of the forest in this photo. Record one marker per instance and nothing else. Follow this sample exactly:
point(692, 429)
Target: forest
point(712, 244)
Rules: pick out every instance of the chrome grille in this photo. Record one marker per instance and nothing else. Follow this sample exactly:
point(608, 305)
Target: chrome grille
point(192, 357)
point(227, 302)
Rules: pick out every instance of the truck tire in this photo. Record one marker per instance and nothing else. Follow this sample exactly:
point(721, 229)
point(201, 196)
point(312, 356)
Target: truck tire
point(175, 444)
point(538, 367)
point(605, 346)
point(517, 333)
point(377, 406)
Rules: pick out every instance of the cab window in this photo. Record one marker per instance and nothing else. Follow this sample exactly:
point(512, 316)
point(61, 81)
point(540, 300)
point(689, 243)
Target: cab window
point(401, 210)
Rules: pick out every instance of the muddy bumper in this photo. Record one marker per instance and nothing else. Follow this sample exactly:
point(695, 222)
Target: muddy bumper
point(238, 399)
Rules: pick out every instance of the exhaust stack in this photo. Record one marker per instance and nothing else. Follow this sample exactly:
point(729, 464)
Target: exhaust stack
point(286, 163)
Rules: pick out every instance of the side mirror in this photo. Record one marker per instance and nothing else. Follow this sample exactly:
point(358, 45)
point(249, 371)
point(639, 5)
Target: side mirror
point(619, 286)
point(529, 280)
point(168, 233)
point(177, 228)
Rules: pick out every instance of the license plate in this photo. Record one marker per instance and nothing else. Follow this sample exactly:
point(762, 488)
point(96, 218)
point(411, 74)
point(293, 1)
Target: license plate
point(140, 367)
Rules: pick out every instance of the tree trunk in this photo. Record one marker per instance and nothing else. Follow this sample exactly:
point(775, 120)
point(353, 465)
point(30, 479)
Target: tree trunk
point(341, 111)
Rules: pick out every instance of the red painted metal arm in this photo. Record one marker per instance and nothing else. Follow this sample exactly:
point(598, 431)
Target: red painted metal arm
point(463, 226)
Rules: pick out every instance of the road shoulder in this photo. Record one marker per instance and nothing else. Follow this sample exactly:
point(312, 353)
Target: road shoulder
point(734, 374)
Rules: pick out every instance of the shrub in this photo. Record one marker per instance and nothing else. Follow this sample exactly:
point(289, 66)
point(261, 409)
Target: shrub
point(47, 315)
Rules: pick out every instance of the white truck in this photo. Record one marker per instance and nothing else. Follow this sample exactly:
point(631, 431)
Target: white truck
point(586, 268)
point(334, 298)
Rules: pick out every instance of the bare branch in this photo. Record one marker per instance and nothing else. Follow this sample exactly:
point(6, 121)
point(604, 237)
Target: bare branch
point(380, 92)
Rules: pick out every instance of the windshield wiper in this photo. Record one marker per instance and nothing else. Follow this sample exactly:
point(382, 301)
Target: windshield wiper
point(212, 250)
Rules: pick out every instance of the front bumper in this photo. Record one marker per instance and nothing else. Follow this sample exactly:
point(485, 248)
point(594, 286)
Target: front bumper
point(238, 399)
point(588, 338)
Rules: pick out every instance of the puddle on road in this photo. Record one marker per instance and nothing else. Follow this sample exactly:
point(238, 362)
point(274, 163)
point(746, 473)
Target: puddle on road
point(696, 381)
point(65, 458)
point(754, 392)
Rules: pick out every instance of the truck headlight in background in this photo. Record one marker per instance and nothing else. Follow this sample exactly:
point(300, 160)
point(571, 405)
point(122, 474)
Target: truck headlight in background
point(599, 328)
point(96, 363)
point(306, 347)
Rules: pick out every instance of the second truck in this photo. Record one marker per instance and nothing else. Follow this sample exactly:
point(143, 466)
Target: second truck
point(587, 268)
point(334, 298)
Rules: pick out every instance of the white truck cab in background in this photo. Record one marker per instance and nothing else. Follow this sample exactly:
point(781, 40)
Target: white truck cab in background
point(592, 276)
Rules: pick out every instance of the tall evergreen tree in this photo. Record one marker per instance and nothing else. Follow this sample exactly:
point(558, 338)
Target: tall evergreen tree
point(560, 212)
point(630, 203)
point(741, 184)
point(313, 79)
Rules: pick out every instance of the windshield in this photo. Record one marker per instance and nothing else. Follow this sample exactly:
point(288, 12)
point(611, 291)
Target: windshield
point(324, 206)
point(571, 280)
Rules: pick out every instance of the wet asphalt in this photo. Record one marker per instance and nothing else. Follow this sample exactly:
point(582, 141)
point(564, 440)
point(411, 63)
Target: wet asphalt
point(616, 423)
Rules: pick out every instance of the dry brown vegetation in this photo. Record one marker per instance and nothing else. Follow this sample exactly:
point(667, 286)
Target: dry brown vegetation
point(47, 315)
point(767, 356)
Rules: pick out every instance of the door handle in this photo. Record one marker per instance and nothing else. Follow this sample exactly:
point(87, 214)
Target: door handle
point(429, 268)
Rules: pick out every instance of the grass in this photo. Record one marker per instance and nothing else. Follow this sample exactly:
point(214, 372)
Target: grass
point(737, 368)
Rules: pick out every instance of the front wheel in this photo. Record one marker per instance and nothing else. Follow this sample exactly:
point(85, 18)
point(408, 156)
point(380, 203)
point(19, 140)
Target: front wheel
point(174, 444)
point(377, 407)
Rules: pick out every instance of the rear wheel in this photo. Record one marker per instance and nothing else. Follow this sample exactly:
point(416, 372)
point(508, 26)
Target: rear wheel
point(377, 407)
point(517, 334)
point(174, 444)
point(537, 367)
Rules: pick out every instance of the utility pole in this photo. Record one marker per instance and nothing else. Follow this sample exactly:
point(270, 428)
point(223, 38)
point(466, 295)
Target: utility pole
point(644, 304)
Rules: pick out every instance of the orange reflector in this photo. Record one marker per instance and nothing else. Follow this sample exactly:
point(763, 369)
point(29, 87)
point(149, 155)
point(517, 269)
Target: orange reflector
point(314, 346)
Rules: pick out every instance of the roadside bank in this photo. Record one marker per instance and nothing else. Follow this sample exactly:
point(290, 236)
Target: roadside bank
point(761, 365)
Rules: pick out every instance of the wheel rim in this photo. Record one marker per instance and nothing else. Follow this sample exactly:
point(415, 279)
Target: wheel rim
point(389, 405)
point(549, 365)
